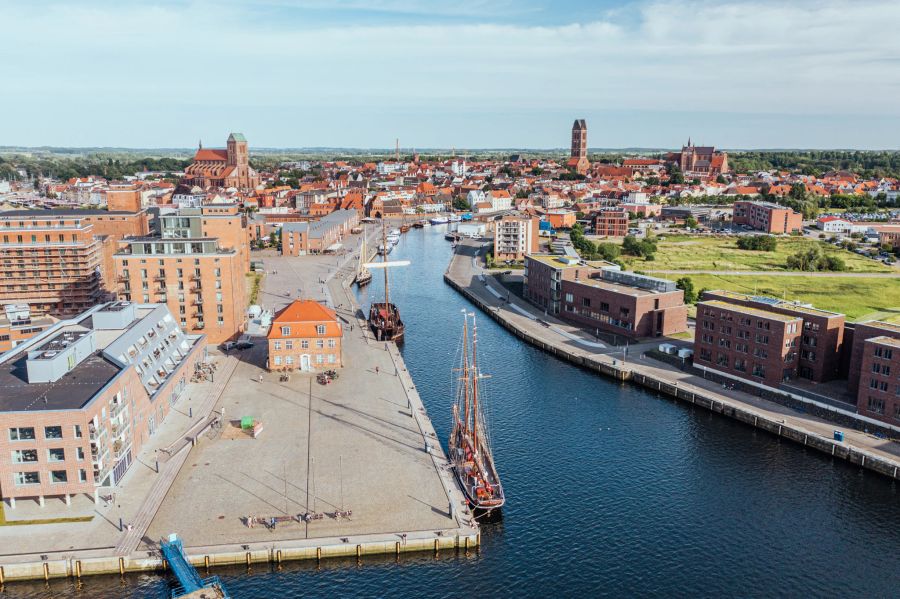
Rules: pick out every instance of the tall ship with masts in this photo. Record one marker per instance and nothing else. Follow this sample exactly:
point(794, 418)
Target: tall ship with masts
point(384, 317)
point(471, 457)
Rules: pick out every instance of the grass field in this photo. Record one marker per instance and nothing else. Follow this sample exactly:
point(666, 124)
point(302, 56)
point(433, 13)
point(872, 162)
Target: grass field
point(858, 298)
point(682, 252)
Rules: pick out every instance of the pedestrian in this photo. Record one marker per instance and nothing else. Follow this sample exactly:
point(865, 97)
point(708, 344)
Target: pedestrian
point(260, 379)
point(376, 370)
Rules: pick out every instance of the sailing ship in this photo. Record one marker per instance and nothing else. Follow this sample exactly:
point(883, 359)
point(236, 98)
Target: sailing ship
point(384, 317)
point(363, 274)
point(471, 458)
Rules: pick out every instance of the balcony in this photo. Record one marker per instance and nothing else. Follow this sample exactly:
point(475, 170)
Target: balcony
point(159, 278)
point(199, 325)
point(195, 277)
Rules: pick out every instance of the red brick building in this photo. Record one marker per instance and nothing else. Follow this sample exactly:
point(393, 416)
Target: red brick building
point(578, 156)
point(768, 218)
point(223, 168)
point(305, 335)
point(601, 298)
point(611, 223)
point(700, 161)
point(749, 343)
point(879, 389)
point(822, 339)
point(862, 332)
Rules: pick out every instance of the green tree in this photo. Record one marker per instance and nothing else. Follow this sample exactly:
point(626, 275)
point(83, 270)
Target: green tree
point(687, 285)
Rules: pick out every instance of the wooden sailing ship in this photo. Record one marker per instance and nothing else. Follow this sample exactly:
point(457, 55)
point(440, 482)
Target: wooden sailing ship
point(384, 317)
point(471, 458)
point(363, 274)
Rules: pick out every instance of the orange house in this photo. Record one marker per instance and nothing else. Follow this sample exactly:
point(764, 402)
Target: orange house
point(305, 336)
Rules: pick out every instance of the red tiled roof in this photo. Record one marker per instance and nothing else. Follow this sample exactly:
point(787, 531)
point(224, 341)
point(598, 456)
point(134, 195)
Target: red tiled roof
point(303, 316)
point(210, 154)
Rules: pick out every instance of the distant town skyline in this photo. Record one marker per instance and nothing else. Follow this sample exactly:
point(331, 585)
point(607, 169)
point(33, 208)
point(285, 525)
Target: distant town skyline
point(740, 74)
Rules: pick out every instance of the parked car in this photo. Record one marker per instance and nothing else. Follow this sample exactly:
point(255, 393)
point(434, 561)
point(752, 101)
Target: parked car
point(229, 345)
point(243, 344)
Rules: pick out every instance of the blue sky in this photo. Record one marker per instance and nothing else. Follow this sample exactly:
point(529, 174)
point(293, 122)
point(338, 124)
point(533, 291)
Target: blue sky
point(464, 74)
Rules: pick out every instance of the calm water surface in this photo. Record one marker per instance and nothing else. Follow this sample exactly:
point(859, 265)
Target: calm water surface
point(612, 491)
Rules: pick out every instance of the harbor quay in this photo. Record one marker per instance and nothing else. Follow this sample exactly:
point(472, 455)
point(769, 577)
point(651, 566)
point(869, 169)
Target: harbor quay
point(634, 363)
point(358, 457)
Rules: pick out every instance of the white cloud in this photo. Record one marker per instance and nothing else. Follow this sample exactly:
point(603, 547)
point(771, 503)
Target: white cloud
point(742, 57)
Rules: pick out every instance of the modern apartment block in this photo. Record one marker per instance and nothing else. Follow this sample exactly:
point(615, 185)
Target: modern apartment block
point(601, 297)
point(857, 377)
point(315, 237)
point(306, 336)
point(749, 343)
point(202, 283)
point(611, 223)
point(223, 222)
point(515, 235)
point(821, 342)
point(54, 263)
point(59, 262)
point(82, 398)
point(766, 217)
point(879, 388)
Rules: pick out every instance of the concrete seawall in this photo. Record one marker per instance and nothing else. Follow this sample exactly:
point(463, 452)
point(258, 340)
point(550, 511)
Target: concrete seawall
point(701, 399)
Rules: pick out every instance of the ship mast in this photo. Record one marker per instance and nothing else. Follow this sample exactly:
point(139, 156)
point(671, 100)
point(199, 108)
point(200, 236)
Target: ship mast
point(466, 369)
point(387, 309)
point(474, 387)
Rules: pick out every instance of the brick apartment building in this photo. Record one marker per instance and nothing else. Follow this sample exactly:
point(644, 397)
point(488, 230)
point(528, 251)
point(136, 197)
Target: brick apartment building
point(515, 235)
point(611, 223)
point(59, 262)
point(602, 298)
point(822, 339)
point(749, 343)
point(85, 395)
point(305, 335)
point(862, 332)
point(315, 237)
point(879, 388)
point(223, 222)
point(766, 217)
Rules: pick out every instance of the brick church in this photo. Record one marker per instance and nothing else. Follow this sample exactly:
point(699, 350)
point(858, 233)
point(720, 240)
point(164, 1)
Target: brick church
point(578, 157)
point(700, 161)
point(215, 167)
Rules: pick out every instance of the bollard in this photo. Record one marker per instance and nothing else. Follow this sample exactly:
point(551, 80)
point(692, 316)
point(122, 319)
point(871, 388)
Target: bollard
point(436, 545)
point(467, 545)
point(121, 566)
point(46, 571)
point(478, 542)
point(318, 554)
point(78, 569)
point(206, 561)
point(1, 575)
point(248, 559)
point(278, 556)
point(397, 548)
point(358, 551)
point(190, 412)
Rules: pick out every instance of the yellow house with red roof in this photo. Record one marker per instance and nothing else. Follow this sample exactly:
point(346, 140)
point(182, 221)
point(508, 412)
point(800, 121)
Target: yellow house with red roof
point(305, 336)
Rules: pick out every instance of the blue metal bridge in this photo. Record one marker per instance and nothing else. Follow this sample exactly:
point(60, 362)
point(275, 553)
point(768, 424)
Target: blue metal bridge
point(189, 580)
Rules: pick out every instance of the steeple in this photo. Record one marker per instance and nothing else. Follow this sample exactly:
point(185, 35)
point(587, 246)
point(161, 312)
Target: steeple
point(200, 144)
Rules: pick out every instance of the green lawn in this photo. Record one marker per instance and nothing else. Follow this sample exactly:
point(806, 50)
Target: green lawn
point(683, 252)
point(858, 298)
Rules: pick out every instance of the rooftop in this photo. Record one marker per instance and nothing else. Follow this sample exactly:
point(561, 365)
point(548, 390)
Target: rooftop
point(73, 391)
point(559, 261)
point(885, 340)
point(776, 302)
point(751, 311)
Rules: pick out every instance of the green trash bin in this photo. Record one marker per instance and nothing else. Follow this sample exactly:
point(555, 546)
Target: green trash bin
point(246, 422)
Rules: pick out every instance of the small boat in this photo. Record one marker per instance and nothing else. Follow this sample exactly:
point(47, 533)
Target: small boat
point(471, 457)
point(385, 249)
point(404, 228)
point(393, 239)
point(419, 224)
point(452, 236)
point(454, 218)
point(363, 274)
point(393, 232)
point(439, 220)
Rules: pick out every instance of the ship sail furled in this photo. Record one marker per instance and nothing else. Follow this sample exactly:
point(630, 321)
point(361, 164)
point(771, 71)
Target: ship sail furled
point(471, 457)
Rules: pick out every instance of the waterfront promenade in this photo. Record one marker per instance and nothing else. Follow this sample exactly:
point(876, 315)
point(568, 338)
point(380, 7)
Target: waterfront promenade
point(362, 444)
point(466, 274)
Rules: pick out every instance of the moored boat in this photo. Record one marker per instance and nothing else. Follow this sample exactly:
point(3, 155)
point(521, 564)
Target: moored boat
point(363, 274)
point(439, 220)
point(384, 317)
point(454, 218)
point(471, 457)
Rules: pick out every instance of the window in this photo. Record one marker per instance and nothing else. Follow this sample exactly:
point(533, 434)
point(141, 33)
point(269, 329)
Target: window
point(876, 406)
point(57, 454)
point(24, 433)
point(77, 431)
point(289, 361)
point(277, 360)
point(53, 432)
point(705, 354)
point(331, 358)
point(23, 456)
point(740, 365)
point(27, 478)
point(320, 343)
point(320, 329)
point(277, 345)
point(570, 298)
point(764, 339)
point(331, 344)
point(82, 476)
point(604, 307)
point(759, 371)
point(285, 331)
point(288, 345)
point(586, 302)
point(304, 344)
point(58, 476)
point(79, 453)
point(320, 358)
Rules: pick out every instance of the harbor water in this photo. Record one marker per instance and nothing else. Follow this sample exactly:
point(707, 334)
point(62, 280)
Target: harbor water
point(611, 490)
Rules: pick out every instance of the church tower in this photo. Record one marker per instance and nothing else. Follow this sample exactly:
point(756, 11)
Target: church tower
point(237, 152)
point(578, 157)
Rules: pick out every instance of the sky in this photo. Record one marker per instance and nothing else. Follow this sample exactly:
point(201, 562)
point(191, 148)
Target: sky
point(463, 74)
